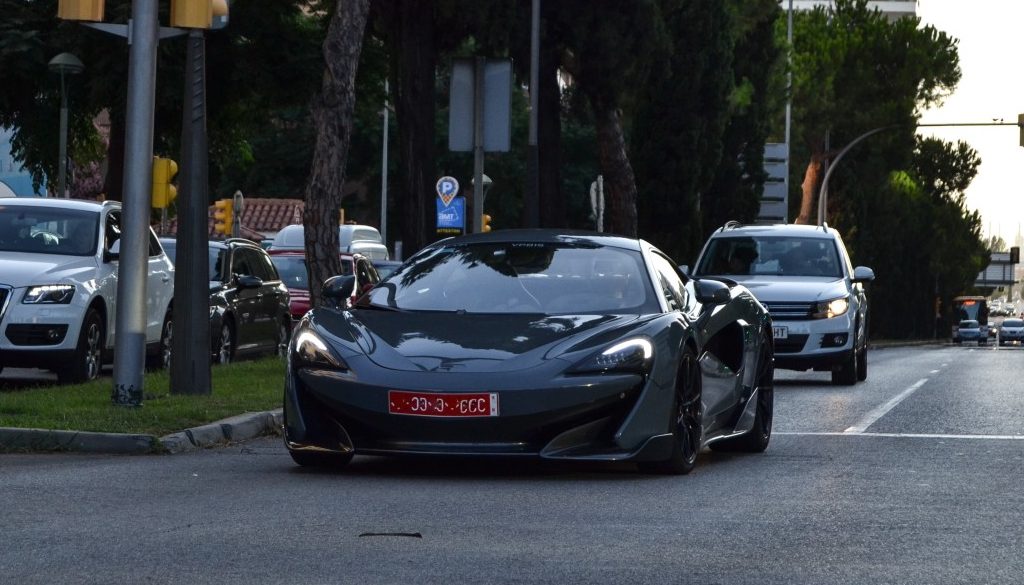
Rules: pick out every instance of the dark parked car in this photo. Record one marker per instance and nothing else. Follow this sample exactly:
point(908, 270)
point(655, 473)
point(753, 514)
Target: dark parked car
point(248, 302)
point(291, 265)
point(570, 346)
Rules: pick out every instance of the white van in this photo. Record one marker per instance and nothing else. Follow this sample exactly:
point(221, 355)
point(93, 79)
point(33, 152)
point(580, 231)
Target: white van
point(363, 239)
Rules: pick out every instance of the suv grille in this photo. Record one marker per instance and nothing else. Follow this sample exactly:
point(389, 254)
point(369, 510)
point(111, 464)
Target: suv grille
point(790, 311)
point(4, 293)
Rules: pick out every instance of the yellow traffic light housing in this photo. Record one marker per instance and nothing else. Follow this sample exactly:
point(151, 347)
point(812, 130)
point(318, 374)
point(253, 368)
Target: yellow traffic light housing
point(164, 170)
point(196, 13)
point(88, 10)
point(486, 223)
point(223, 216)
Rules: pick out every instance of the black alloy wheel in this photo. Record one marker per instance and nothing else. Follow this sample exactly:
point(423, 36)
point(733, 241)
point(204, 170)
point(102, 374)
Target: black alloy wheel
point(756, 440)
point(687, 420)
point(224, 348)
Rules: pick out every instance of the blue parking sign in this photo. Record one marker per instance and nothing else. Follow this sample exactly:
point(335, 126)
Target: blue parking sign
point(451, 219)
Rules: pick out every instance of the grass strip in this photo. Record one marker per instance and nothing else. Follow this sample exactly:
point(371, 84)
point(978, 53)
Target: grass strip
point(251, 386)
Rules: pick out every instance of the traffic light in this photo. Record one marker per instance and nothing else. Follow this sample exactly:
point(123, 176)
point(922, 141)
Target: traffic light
point(164, 170)
point(88, 10)
point(486, 223)
point(197, 13)
point(223, 216)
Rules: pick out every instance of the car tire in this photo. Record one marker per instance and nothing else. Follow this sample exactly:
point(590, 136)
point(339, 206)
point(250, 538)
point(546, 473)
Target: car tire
point(687, 424)
point(284, 336)
point(756, 440)
point(320, 459)
point(224, 346)
point(161, 359)
point(845, 374)
point(88, 356)
point(862, 364)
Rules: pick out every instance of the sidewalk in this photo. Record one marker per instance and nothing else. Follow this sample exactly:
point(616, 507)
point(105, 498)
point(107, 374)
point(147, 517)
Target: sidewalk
point(237, 428)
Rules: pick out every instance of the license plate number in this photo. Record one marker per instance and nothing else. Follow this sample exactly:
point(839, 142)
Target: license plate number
point(442, 405)
point(780, 332)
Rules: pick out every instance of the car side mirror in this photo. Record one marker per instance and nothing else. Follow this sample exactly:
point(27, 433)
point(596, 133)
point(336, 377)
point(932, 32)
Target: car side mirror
point(863, 274)
point(338, 290)
point(712, 292)
point(248, 281)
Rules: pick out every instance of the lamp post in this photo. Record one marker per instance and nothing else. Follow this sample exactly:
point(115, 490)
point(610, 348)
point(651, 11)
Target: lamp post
point(64, 63)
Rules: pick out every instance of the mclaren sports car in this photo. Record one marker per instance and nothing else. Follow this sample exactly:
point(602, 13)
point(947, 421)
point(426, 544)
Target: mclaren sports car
point(558, 345)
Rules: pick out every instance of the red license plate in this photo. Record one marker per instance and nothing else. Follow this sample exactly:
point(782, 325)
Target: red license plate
point(443, 405)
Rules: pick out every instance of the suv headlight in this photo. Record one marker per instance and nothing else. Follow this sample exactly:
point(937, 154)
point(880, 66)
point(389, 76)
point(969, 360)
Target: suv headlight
point(832, 308)
point(56, 294)
point(311, 351)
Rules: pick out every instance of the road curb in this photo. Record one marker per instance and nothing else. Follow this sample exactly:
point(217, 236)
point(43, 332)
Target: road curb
point(237, 428)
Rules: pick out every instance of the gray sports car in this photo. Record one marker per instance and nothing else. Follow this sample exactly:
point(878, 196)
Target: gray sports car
point(560, 345)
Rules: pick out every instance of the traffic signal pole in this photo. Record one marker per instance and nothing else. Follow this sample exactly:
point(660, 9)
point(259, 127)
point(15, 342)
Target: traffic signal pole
point(130, 324)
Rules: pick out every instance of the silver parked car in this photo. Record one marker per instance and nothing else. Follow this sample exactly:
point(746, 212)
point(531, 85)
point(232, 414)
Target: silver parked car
point(362, 239)
point(1011, 330)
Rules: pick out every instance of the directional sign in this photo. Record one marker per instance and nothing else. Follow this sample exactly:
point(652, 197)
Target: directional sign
point(447, 189)
point(451, 218)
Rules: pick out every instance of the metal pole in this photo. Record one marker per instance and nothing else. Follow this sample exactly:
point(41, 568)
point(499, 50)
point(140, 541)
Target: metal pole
point(531, 198)
point(478, 145)
point(789, 101)
point(62, 169)
point(130, 326)
point(384, 172)
point(190, 354)
point(823, 193)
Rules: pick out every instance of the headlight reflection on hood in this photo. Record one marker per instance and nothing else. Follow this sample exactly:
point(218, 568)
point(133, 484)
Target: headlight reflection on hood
point(832, 308)
point(631, 355)
point(310, 350)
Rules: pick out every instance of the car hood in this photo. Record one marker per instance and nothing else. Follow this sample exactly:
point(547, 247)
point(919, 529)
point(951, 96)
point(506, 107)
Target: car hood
point(453, 342)
point(789, 289)
point(21, 269)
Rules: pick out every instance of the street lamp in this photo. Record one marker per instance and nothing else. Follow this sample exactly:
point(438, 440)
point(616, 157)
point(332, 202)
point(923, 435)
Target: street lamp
point(64, 63)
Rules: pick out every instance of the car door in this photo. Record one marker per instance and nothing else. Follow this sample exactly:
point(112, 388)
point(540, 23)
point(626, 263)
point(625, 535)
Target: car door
point(244, 300)
point(159, 288)
point(273, 297)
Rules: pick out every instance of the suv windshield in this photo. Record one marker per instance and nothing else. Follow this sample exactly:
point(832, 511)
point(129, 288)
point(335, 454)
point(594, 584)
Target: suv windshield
point(523, 277)
point(48, 230)
point(771, 255)
point(1013, 323)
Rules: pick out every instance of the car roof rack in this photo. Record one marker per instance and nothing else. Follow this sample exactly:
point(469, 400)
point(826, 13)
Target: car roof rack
point(731, 224)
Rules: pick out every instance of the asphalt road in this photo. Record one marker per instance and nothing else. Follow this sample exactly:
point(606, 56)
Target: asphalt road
point(892, 481)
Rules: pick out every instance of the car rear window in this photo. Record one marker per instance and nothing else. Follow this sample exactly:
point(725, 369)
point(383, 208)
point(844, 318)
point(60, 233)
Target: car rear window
point(968, 323)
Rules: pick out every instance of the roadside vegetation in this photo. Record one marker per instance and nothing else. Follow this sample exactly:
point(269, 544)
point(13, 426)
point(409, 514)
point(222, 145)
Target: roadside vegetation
point(252, 386)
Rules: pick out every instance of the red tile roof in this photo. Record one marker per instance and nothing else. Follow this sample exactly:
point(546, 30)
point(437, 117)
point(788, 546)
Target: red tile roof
point(261, 218)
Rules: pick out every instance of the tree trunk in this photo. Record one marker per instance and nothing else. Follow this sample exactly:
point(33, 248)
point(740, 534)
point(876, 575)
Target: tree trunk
point(809, 188)
point(415, 115)
point(553, 207)
point(113, 182)
point(619, 181)
point(333, 117)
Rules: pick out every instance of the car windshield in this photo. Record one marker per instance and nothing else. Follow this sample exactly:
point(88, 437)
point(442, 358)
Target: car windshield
point(293, 270)
point(1013, 322)
point(48, 230)
point(771, 255)
point(968, 324)
point(520, 277)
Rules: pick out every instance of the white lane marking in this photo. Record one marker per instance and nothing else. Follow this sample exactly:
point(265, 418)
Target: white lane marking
point(904, 435)
point(934, 372)
point(879, 412)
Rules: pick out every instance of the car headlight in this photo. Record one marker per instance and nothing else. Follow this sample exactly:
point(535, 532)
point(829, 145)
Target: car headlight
point(56, 294)
point(832, 308)
point(631, 355)
point(311, 351)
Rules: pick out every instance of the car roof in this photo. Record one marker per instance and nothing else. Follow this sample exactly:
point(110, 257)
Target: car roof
point(779, 229)
point(545, 236)
point(82, 204)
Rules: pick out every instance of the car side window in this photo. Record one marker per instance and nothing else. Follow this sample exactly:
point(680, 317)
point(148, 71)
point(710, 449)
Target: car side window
point(154, 245)
point(240, 263)
point(671, 284)
point(112, 230)
point(264, 267)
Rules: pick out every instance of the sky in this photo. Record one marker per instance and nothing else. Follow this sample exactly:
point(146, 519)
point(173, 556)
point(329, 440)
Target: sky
point(991, 39)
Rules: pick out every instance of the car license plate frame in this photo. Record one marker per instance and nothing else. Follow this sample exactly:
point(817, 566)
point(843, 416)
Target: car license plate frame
point(443, 404)
point(780, 332)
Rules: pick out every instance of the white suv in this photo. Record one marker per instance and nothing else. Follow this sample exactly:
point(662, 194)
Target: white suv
point(58, 287)
point(804, 277)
